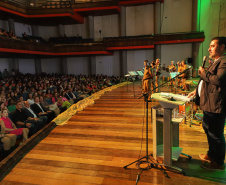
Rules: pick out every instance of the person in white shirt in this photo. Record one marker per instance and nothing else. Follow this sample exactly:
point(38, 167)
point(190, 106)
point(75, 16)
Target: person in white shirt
point(40, 120)
point(211, 98)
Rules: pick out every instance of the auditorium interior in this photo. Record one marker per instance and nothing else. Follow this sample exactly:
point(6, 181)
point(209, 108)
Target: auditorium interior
point(71, 81)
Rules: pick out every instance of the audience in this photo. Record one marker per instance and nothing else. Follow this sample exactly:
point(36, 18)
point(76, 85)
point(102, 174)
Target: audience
point(46, 97)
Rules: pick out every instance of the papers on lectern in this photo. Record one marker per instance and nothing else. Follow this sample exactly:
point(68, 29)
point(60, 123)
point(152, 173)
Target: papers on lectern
point(176, 97)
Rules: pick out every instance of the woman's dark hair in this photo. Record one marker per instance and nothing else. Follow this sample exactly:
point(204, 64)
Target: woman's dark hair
point(3, 110)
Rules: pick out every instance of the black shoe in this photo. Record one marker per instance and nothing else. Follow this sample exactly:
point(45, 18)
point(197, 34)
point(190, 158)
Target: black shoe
point(213, 166)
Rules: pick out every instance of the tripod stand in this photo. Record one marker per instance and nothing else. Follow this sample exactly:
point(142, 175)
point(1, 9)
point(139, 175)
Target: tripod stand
point(147, 156)
point(146, 159)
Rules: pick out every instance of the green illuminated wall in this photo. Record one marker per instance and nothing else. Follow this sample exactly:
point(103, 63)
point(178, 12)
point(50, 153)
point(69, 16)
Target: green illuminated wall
point(208, 20)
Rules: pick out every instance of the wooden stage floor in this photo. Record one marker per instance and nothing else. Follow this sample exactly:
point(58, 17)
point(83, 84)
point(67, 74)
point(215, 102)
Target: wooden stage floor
point(95, 144)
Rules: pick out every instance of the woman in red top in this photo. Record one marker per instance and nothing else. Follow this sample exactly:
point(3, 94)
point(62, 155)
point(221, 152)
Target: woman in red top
point(9, 126)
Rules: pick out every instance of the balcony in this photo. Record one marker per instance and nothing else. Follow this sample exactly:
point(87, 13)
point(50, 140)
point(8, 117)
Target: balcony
point(87, 47)
point(63, 12)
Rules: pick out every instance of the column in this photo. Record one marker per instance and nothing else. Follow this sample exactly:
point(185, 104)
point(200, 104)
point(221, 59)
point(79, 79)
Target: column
point(90, 27)
point(123, 53)
point(61, 30)
point(92, 68)
point(92, 59)
point(38, 63)
point(34, 30)
point(195, 46)
point(157, 24)
point(38, 66)
point(64, 66)
point(11, 25)
point(13, 62)
point(13, 65)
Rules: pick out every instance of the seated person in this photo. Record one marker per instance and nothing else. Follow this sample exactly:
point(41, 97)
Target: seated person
point(9, 127)
point(5, 33)
point(40, 120)
point(21, 99)
point(12, 96)
point(70, 98)
point(48, 93)
point(30, 99)
point(41, 111)
point(12, 35)
point(9, 141)
point(25, 36)
point(52, 107)
point(56, 100)
point(1, 32)
point(2, 105)
point(64, 101)
point(70, 95)
point(11, 105)
point(20, 118)
point(49, 107)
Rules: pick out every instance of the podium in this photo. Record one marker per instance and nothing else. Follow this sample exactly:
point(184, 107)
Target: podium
point(168, 101)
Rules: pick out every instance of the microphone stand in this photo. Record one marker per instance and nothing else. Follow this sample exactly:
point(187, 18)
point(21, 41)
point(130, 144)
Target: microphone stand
point(151, 163)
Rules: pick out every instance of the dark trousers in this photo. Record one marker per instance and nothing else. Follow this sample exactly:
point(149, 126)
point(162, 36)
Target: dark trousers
point(213, 125)
point(35, 126)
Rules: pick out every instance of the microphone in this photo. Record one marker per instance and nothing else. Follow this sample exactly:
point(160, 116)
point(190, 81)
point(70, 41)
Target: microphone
point(204, 61)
